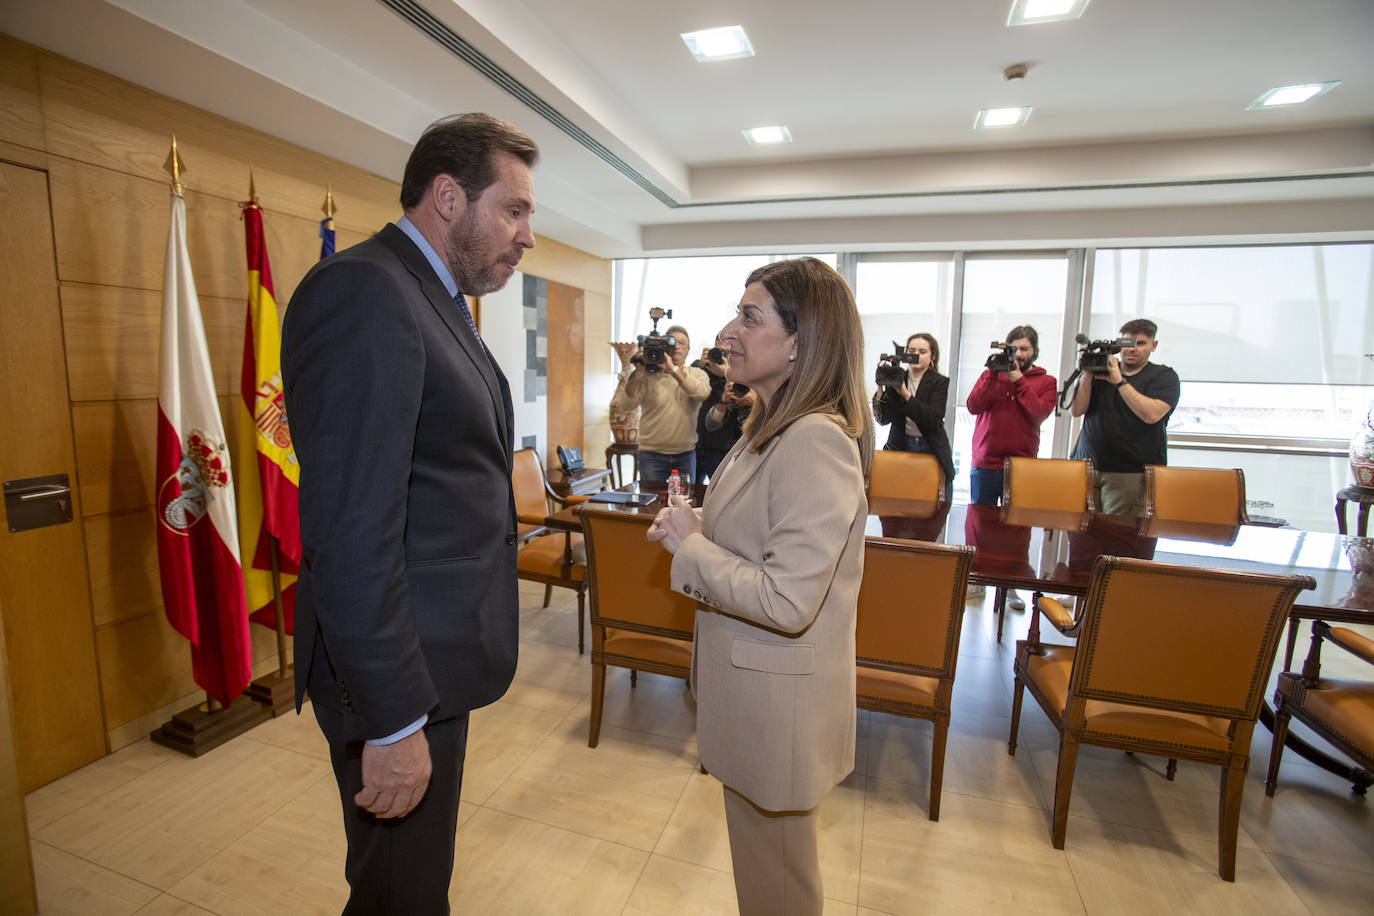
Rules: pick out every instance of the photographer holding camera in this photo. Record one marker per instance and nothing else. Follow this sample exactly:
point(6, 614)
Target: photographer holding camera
point(914, 404)
point(1125, 412)
point(669, 391)
point(720, 423)
point(1011, 399)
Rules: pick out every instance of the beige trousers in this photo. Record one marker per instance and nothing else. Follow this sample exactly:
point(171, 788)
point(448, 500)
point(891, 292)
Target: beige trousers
point(1121, 493)
point(776, 859)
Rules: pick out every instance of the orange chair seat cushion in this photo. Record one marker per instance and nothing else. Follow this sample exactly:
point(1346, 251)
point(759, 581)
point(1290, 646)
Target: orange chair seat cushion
point(663, 649)
point(1345, 707)
point(1050, 673)
point(894, 686)
point(544, 556)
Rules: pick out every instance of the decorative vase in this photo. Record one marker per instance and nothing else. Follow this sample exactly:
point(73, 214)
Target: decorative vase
point(625, 426)
point(1362, 449)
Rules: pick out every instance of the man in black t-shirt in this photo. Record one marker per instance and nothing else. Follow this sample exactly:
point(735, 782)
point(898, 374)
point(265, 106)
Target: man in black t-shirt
point(1125, 412)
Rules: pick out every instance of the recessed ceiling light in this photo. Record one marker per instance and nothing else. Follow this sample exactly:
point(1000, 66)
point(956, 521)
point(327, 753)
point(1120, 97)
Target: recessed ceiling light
point(1034, 12)
point(1292, 95)
point(725, 43)
point(1001, 117)
point(760, 136)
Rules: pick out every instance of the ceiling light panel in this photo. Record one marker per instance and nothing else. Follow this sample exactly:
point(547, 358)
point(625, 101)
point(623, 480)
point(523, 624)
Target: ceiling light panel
point(1001, 117)
point(1292, 95)
point(763, 136)
point(1034, 12)
point(727, 43)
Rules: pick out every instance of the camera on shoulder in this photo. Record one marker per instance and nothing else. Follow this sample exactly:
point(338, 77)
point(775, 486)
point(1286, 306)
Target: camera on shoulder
point(1004, 359)
point(1092, 354)
point(890, 372)
point(654, 345)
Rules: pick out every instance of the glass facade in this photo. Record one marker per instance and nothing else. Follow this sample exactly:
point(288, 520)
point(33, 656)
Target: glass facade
point(1270, 342)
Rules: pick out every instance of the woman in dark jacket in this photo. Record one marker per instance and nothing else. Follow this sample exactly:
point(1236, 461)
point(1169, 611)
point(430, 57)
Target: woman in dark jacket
point(916, 408)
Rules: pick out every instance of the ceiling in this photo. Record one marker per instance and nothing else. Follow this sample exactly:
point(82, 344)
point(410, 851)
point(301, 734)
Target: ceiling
point(1139, 134)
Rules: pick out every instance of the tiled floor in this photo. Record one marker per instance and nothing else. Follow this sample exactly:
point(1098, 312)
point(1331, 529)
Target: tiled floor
point(632, 827)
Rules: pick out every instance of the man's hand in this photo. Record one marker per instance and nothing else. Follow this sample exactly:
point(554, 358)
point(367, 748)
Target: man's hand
point(395, 776)
point(1114, 370)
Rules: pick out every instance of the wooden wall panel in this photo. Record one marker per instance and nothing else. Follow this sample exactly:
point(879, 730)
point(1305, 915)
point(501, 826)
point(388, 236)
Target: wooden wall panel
point(16, 863)
point(21, 114)
point(43, 575)
point(145, 664)
point(598, 373)
point(135, 127)
point(113, 337)
point(121, 550)
point(112, 228)
point(564, 369)
point(115, 460)
point(565, 264)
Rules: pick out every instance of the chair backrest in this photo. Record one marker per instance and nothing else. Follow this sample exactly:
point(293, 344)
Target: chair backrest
point(1060, 484)
point(911, 606)
point(905, 475)
point(630, 576)
point(527, 481)
point(1191, 640)
point(1210, 495)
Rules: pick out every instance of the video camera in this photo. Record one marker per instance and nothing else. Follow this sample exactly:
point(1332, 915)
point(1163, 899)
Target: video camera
point(890, 373)
point(1004, 360)
point(653, 344)
point(716, 355)
point(1092, 354)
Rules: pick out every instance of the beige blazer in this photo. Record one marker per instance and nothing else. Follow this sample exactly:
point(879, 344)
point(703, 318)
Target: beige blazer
point(776, 573)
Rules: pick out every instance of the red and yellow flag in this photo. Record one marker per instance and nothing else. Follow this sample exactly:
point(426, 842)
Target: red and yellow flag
point(268, 498)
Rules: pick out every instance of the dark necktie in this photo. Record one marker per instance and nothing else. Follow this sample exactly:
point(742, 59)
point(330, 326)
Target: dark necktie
point(462, 304)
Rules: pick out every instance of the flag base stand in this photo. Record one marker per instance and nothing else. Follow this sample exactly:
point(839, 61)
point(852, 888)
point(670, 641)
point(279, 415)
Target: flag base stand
point(195, 730)
point(276, 692)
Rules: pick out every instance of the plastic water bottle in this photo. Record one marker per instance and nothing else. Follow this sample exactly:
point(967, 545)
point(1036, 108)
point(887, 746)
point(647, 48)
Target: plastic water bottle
point(674, 485)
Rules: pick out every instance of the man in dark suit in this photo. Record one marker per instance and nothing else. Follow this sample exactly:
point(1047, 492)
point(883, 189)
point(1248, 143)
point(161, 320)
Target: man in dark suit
point(406, 609)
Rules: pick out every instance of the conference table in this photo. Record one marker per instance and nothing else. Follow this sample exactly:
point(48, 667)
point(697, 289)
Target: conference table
point(1053, 553)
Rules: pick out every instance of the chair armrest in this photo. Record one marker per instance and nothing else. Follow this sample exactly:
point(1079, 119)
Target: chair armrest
point(526, 518)
point(1056, 613)
point(1352, 642)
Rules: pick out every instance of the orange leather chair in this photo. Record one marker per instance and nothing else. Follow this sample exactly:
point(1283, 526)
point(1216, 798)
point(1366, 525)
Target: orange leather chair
point(905, 475)
point(1170, 661)
point(1188, 496)
point(1052, 484)
point(638, 621)
point(1048, 485)
point(1341, 711)
point(911, 611)
point(545, 557)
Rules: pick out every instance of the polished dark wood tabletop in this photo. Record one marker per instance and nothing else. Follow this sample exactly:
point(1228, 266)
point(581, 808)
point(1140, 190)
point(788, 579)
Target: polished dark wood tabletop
point(1054, 551)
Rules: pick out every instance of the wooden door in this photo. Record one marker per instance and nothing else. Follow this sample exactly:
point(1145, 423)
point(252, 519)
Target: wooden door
point(44, 586)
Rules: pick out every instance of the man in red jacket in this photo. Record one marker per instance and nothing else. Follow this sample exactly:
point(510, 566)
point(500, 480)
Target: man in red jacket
point(1010, 406)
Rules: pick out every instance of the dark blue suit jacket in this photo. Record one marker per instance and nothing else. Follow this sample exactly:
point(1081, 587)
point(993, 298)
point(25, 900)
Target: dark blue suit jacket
point(402, 424)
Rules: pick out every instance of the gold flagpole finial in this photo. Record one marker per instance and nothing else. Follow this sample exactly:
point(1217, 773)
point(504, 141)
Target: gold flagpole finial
point(252, 188)
point(329, 208)
point(175, 167)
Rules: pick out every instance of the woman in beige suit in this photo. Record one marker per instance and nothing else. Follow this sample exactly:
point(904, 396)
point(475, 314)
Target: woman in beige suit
point(774, 559)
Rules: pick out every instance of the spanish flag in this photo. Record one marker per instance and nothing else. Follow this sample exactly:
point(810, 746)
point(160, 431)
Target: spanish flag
point(268, 497)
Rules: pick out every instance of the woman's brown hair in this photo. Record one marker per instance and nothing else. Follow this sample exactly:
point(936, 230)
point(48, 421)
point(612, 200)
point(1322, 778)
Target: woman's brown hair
point(817, 306)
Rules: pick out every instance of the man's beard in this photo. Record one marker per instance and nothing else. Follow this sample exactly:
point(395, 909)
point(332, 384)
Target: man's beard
point(465, 249)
